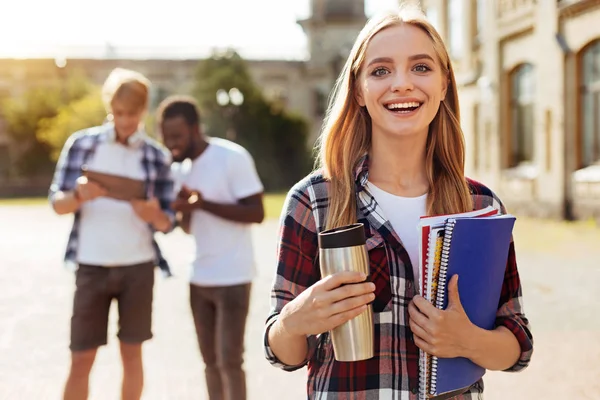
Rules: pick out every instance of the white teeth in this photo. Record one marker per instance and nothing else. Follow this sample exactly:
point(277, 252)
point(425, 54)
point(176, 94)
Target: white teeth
point(411, 104)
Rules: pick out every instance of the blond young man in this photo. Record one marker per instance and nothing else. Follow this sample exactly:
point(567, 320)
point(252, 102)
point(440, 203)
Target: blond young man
point(112, 241)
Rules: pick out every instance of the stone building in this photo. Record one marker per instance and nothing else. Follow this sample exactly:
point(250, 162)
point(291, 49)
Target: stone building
point(529, 83)
point(302, 86)
point(529, 76)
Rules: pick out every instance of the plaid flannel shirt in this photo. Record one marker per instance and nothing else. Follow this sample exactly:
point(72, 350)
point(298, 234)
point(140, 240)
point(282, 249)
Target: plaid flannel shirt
point(393, 372)
point(76, 152)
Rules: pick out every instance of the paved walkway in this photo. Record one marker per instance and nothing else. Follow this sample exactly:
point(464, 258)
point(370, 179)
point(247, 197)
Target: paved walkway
point(561, 275)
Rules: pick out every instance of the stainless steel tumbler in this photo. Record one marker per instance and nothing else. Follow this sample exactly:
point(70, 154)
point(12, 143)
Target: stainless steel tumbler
point(344, 249)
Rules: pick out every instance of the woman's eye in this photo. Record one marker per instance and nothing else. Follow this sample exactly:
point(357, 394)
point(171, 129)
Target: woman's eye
point(379, 71)
point(422, 68)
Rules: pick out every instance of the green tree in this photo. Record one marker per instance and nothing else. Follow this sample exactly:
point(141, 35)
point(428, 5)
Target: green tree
point(23, 115)
point(276, 139)
point(79, 114)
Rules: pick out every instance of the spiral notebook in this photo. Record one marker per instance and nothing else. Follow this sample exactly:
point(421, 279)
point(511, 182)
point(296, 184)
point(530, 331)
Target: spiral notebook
point(475, 246)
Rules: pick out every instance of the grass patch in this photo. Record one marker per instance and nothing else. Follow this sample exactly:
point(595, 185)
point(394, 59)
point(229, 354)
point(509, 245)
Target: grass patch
point(547, 235)
point(273, 203)
point(25, 201)
point(530, 233)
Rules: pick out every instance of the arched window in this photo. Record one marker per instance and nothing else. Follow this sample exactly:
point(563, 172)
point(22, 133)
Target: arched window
point(454, 25)
point(590, 105)
point(522, 81)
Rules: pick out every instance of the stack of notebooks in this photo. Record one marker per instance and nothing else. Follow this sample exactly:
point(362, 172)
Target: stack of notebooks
point(475, 246)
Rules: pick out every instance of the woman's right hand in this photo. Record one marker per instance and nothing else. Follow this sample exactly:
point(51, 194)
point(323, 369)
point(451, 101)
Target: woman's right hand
point(327, 304)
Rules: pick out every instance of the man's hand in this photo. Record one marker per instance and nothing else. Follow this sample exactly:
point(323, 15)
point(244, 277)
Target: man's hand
point(184, 193)
point(187, 200)
point(148, 210)
point(86, 190)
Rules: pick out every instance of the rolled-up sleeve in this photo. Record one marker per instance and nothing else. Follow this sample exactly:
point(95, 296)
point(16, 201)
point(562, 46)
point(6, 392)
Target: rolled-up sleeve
point(296, 266)
point(510, 313)
point(66, 171)
point(510, 308)
point(164, 186)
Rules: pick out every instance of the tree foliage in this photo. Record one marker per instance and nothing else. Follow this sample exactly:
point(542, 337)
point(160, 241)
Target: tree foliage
point(24, 114)
point(79, 114)
point(276, 139)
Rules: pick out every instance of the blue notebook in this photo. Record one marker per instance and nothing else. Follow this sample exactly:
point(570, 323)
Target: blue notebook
point(477, 250)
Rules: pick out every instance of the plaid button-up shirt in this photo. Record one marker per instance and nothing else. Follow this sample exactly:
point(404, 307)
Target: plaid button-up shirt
point(156, 163)
point(393, 373)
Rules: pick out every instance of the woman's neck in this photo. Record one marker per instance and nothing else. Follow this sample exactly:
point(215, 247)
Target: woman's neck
point(397, 165)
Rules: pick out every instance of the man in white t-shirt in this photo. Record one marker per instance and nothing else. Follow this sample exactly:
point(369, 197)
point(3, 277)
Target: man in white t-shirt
point(219, 197)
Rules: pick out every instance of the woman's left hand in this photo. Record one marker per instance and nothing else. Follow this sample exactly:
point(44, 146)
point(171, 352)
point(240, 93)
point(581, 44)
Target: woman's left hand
point(442, 333)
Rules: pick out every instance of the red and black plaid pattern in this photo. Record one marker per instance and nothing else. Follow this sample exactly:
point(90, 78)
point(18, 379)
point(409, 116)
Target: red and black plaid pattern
point(393, 372)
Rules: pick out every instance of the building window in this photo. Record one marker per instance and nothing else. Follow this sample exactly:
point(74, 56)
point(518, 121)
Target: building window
point(433, 17)
point(479, 20)
point(549, 140)
point(590, 109)
point(522, 82)
point(340, 9)
point(454, 26)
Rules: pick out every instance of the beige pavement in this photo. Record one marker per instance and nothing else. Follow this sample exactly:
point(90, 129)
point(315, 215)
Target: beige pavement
point(561, 282)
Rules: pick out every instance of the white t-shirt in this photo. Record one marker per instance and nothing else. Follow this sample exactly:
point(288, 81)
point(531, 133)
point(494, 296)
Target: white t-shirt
point(224, 173)
point(111, 233)
point(404, 214)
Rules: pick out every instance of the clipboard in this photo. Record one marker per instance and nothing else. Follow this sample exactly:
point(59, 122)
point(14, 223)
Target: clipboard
point(118, 187)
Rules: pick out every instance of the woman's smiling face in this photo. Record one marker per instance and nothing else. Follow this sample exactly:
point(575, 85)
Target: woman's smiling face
point(401, 83)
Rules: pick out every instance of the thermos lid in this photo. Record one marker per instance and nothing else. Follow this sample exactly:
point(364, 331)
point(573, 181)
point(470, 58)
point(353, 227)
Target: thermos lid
point(344, 236)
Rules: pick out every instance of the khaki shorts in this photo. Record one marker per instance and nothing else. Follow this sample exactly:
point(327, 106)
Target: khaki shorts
point(132, 286)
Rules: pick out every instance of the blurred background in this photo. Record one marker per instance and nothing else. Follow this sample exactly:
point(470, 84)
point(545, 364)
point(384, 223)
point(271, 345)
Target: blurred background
point(528, 74)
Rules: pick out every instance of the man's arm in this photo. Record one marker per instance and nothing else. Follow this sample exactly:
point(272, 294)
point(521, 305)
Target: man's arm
point(248, 210)
point(149, 211)
point(164, 219)
point(246, 186)
point(65, 202)
point(63, 194)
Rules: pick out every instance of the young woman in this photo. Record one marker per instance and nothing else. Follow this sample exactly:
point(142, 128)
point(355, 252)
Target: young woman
point(391, 151)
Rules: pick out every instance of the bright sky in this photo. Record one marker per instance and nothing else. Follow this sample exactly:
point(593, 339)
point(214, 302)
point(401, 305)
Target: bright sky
point(258, 28)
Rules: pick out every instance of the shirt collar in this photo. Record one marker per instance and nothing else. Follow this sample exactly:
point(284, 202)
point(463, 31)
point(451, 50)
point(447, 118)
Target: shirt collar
point(110, 135)
point(361, 172)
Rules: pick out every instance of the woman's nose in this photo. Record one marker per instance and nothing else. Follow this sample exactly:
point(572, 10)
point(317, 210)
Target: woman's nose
point(401, 82)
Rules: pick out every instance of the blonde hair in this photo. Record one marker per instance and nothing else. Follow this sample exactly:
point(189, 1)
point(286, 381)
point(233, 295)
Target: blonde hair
point(128, 87)
point(346, 133)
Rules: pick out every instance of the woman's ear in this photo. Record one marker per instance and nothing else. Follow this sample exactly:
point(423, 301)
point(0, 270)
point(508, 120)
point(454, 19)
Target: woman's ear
point(445, 89)
point(358, 96)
